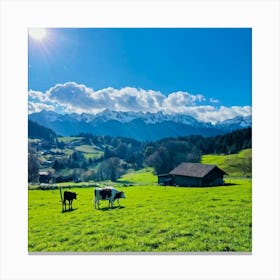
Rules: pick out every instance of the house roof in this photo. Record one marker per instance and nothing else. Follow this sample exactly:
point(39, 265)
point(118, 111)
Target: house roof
point(196, 170)
point(44, 173)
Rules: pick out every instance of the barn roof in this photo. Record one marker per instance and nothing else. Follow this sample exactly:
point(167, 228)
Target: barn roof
point(197, 170)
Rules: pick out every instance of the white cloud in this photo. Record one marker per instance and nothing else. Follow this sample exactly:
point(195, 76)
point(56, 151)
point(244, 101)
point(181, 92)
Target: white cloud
point(215, 114)
point(182, 99)
point(213, 100)
point(34, 107)
point(34, 94)
point(73, 97)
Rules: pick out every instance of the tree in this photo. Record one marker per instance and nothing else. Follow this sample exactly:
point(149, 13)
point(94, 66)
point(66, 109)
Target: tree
point(33, 166)
point(108, 153)
point(78, 160)
point(160, 161)
point(149, 150)
point(56, 165)
point(121, 150)
point(110, 169)
point(88, 175)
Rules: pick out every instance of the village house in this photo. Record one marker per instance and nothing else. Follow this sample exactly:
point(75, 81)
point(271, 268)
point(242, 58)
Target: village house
point(193, 175)
point(44, 177)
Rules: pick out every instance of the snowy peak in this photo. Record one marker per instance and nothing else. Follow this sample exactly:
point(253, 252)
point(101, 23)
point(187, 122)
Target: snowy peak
point(47, 116)
point(236, 123)
point(148, 118)
point(138, 125)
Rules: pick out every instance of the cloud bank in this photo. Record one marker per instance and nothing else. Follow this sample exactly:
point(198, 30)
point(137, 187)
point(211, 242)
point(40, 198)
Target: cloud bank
point(76, 98)
point(34, 107)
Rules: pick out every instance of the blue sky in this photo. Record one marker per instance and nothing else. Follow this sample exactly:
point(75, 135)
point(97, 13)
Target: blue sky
point(190, 67)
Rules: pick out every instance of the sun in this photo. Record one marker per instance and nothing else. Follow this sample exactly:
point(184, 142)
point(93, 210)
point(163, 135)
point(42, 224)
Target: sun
point(37, 34)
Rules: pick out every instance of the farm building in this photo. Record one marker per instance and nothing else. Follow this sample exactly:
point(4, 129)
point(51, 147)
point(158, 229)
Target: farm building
point(44, 177)
point(62, 179)
point(193, 175)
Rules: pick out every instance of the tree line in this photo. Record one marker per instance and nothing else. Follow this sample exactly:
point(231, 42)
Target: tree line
point(121, 154)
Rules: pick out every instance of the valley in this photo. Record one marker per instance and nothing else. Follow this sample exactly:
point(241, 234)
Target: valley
point(87, 157)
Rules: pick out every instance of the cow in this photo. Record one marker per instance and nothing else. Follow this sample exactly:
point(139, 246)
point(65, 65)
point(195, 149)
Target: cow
point(108, 193)
point(68, 196)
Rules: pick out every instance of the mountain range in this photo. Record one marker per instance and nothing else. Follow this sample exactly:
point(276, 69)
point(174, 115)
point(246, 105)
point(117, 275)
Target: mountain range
point(138, 125)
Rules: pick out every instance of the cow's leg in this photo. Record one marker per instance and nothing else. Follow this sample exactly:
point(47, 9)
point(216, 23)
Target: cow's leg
point(96, 202)
point(112, 203)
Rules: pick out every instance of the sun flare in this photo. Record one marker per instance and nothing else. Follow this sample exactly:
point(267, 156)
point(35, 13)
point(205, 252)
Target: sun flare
point(37, 34)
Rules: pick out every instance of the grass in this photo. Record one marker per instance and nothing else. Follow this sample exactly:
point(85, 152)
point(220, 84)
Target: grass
point(69, 139)
point(230, 163)
point(142, 177)
point(151, 219)
point(88, 149)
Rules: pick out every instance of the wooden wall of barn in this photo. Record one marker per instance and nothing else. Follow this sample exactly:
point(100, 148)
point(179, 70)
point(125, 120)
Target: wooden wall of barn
point(214, 178)
point(165, 179)
point(184, 181)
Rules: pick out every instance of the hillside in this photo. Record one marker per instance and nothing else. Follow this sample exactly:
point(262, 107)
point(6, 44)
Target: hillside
point(236, 165)
point(36, 130)
point(239, 164)
point(144, 176)
point(88, 157)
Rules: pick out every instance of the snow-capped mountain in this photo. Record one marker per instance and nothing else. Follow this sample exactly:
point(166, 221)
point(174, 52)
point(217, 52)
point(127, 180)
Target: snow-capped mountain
point(235, 123)
point(148, 118)
point(138, 125)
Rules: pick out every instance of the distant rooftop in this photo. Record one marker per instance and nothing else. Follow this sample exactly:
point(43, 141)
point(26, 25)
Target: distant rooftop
point(197, 170)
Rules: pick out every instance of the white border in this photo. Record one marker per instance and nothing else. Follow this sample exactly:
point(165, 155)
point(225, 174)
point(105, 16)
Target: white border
point(17, 16)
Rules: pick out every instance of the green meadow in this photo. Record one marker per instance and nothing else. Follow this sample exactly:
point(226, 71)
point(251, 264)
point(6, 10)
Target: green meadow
point(236, 165)
point(152, 218)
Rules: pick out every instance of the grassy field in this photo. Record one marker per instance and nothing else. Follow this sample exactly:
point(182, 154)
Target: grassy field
point(141, 177)
point(69, 139)
point(234, 164)
point(89, 151)
point(151, 219)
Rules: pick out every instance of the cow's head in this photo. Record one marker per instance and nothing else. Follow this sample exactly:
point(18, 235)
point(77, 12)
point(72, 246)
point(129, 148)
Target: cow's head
point(122, 194)
point(75, 195)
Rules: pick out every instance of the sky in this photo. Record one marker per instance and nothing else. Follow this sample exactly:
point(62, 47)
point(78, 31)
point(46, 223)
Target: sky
point(202, 72)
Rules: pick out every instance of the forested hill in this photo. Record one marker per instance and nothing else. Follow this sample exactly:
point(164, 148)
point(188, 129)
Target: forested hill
point(228, 143)
point(38, 131)
point(166, 154)
point(105, 157)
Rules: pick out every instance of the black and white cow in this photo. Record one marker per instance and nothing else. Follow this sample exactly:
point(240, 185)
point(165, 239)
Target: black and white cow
point(109, 193)
point(68, 196)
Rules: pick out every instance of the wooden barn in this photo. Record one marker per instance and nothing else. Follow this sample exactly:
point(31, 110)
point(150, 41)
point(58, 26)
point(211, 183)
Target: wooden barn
point(193, 175)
